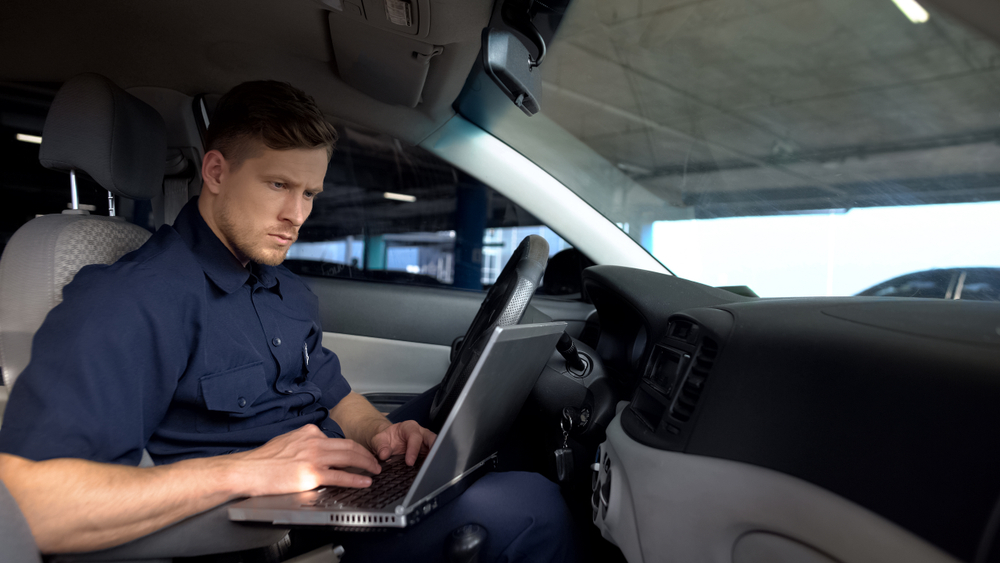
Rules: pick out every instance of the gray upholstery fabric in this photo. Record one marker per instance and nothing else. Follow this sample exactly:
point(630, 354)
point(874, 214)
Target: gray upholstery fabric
point(17, 545)
point(41, 258)
point(92, 241)
point(97, 128)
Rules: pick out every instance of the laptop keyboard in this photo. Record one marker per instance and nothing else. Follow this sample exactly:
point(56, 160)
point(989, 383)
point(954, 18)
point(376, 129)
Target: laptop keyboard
point(386, 488)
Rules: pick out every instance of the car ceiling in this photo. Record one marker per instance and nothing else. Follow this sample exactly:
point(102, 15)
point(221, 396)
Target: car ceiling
point(198, 47)
point(740, 107)
point(721, 115)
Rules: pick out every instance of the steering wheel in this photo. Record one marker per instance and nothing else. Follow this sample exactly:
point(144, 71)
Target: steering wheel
point(505, 304)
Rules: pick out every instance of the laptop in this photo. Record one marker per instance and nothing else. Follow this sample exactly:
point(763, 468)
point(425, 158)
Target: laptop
point(401, 495)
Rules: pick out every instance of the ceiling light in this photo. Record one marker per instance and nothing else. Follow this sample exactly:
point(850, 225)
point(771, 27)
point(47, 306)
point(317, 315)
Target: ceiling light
point(29, 138)
point(915, 12)
point(400, 197)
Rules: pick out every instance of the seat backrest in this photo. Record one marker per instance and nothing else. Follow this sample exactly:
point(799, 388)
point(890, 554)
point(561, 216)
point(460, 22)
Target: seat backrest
point(93, 128)
point(40, 259)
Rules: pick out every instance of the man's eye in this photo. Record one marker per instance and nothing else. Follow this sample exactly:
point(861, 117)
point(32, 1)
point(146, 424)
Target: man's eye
point(278, 185)
point(310, 195)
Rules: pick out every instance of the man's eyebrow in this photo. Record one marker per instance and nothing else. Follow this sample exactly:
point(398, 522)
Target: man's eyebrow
point(281, 178)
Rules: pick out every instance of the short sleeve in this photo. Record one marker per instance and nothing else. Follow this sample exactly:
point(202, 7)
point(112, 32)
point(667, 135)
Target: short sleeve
point(104, 367)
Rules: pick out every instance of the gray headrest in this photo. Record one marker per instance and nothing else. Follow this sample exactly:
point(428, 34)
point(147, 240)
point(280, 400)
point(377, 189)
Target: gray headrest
point(118, 140)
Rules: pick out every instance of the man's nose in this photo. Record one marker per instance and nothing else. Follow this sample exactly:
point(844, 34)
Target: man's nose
point(294, 210)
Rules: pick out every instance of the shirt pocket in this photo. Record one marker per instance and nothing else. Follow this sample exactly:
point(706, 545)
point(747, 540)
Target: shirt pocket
point(231, 395)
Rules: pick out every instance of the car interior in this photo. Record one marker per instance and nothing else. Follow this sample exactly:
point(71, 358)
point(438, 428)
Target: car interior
point(683, 420)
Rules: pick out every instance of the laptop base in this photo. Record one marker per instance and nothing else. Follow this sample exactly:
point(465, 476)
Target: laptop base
point(259, 509)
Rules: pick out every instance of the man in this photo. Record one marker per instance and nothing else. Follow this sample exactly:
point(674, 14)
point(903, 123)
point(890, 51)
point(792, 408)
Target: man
point(213, 363)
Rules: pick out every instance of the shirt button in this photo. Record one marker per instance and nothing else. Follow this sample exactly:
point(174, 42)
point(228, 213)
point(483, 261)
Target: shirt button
point(276, 341)
point(241, 402)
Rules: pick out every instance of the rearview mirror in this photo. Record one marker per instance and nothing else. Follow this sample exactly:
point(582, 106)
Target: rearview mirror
point(509, 64)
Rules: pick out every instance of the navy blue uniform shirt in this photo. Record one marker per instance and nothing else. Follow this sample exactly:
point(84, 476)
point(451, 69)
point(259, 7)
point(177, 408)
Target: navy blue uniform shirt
point(176, 348)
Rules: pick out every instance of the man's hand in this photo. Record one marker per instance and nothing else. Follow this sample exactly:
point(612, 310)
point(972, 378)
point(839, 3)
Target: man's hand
point(362, 423)
point(301, 460)
point(405, 437)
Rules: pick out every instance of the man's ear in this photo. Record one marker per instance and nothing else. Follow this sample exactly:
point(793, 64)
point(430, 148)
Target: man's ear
point(213, 168)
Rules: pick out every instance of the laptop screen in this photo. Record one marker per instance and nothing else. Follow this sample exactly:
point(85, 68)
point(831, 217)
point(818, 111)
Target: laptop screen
point(500, 382)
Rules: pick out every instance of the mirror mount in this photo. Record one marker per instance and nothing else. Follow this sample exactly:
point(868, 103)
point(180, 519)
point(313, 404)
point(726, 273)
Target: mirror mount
point(508, 63)
point(518, 16)
point(507, 59)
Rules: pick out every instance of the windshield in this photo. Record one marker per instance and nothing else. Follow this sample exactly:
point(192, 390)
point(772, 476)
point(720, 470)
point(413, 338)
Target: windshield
point(798, 147)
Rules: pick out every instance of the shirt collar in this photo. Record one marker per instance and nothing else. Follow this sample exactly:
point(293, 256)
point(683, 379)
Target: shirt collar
point(215, 259)
point(266, 276)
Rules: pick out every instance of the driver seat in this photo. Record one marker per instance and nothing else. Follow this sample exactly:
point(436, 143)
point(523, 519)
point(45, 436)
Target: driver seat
point(93, 128)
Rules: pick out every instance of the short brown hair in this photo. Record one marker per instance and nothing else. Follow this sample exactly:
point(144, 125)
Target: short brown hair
point(274, 113)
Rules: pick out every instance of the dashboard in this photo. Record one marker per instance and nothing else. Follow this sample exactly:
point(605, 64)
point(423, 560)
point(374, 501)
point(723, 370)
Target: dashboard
point(821, 429)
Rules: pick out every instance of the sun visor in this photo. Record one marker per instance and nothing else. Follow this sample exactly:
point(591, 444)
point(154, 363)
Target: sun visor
point(387, 64)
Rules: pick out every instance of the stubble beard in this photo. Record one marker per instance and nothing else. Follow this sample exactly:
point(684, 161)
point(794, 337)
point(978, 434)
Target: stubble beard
point(250, 243)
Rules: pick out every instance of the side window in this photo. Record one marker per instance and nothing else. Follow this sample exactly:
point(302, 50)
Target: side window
point(979, 284)
point(397, 213)
point(935, 284)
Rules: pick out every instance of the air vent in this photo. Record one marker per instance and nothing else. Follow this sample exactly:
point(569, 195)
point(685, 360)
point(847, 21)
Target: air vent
point(665, 366)
point(681, 330)
point(360, 519)
point(690, 392)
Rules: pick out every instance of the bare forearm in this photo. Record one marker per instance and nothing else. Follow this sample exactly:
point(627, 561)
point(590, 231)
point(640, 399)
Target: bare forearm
point(359, 420)
point(77, 505)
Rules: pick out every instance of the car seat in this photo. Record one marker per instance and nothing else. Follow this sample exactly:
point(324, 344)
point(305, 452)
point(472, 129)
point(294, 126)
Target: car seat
point(93, 128)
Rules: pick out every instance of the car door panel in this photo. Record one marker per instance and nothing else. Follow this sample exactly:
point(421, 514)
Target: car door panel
point(380, 365)
point(394, 338)
point(394, 311)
